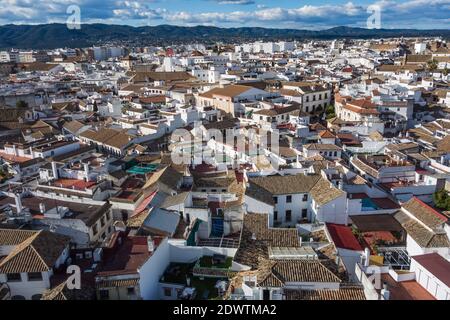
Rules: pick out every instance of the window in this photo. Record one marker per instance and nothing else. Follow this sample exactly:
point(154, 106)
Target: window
point(167, 292)
point(335, 153)
point(326, 95)
point(288, 215)
point(108, 215)
point(102, 222)
point(288, 199)
point(131, 291)
point(34, 276)
point(304, 213)
point(275, 200)
point(275, 215)
point(13, 277)
point(305, 197)
point(104, 294)
point(94, 229)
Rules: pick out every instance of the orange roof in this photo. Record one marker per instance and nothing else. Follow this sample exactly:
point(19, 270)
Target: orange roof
point(343, 237)
point(405, 290)
point(11, 158)
point(326, 134)
point(362, 103)
point(73, 184)
point(153, 99)
point(341, 99)
point(229, 91)
point(362, 106)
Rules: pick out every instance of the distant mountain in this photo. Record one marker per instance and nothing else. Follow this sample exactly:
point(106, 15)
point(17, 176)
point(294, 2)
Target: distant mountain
point(49, 36)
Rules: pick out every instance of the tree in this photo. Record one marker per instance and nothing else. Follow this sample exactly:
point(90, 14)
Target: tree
point(21, 104)
point(357, 233)
point(441, 199)
point(330, 112)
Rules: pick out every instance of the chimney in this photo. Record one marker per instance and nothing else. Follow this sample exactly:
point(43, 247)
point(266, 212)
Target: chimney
point(55, 170)
point(366, 257)
point(150, 244)
point(18, 203)
point(188, 281)
point(385, 292)
point(15, 150)
point(86, 171)
point(42, 208)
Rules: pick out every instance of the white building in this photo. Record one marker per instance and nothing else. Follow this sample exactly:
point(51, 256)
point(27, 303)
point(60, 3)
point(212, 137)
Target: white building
point(427, 231)
point(420, 47)
point(313, 96)
point(30, 258)
point(431, 272)
point(4, 56)
point(294, 198)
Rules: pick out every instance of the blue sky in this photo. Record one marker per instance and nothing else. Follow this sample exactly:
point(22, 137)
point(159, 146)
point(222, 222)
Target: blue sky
point(300, 14)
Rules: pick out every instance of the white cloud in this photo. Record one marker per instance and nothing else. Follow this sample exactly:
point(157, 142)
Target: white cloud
point(306, 12)
point(405, 13)
point(242, 2)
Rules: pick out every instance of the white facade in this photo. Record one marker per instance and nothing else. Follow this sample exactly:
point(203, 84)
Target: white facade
point(420, 47)
point(210, 75)
point(31, 288)
point(4, 56)
point(430, 282)
point(152, 270)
